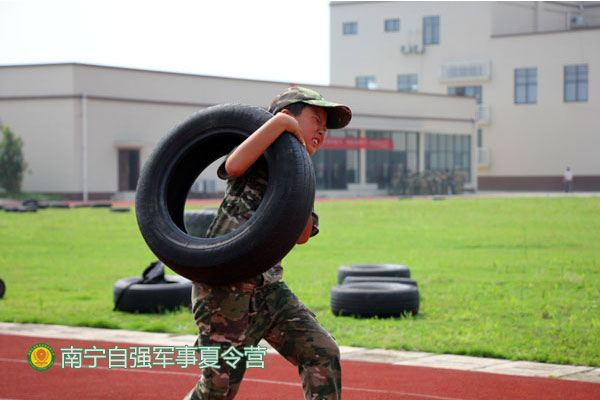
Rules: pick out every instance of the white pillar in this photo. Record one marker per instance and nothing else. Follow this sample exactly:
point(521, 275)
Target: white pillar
point(84, 147)
point(363, 161)
point(421, 151)
point(474, 159)
point(538, 17)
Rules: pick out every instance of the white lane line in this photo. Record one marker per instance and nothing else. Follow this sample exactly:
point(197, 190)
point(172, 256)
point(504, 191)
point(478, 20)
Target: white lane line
point(256, 380)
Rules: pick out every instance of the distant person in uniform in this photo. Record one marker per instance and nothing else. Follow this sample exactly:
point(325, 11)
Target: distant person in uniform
point(568, 179)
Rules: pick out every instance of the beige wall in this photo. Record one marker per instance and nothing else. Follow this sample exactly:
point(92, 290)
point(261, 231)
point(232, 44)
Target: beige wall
point(375, 52)
point(175, 88)
point(524, 140)
point(42, 80)
point(515, 17)
point(543, 138)
point(127, 125)
point(50, 141)
point(134, 109)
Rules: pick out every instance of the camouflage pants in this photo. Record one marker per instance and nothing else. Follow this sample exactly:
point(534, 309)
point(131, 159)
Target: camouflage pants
point(226, 318)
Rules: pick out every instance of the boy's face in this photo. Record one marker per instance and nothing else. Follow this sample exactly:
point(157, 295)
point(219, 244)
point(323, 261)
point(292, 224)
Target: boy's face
point(313, 122)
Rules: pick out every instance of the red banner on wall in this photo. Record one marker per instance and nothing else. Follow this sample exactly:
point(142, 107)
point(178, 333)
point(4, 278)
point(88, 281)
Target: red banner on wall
point(358, 143)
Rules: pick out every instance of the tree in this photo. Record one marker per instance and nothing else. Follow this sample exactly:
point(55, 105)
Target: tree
point(12, 161)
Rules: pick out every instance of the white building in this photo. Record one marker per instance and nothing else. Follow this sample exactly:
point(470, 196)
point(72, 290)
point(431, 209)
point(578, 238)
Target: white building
point(534, 68)
point(87, 129)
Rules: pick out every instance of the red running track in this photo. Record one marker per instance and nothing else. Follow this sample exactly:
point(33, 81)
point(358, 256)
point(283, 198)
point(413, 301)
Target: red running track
point(279, 380)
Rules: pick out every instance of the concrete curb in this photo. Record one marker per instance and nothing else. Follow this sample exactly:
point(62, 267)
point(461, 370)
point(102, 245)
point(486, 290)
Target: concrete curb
point(395, 357)
point(479, 194)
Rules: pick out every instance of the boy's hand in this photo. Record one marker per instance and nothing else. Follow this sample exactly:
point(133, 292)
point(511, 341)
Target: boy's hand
point(292, 126)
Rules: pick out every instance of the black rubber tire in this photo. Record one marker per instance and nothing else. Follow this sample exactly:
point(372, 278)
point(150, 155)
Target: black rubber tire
point(101, 205)
point(31, 203)
point(174, 165)
point(120, 209)
point(372, 270)
point(389, 279)
point(59, 205)
point(2, 288)
point(369, 299)
point(197, 221)
point(130, 295)
point(20, 209)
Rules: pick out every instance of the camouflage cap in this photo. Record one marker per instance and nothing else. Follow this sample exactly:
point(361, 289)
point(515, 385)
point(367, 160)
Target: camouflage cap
point(338, 115)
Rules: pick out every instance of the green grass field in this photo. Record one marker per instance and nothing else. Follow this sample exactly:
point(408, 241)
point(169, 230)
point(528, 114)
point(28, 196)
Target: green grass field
point(509, 278)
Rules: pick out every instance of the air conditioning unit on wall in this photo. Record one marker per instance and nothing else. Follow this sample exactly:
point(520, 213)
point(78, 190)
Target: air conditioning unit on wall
point(577, 20)
point(412, 48)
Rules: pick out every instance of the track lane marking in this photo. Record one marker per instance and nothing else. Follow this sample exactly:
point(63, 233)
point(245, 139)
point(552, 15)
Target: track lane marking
point(255, 380)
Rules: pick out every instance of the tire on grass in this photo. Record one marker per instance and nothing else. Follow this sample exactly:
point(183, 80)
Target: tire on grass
point(174, 165)
point(20, 209)
point(2, 288)
point(120, 209)
point(390, 279)
point(372, 270)
point(131, 295)
point(103, 204)
point(31, 203)
point(59, 205)
point(369, 299)
point(197, 221)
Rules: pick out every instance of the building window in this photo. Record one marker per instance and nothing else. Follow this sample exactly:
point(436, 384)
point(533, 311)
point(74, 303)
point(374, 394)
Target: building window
point(525, 85)
point(366, 82)
point(448, 153)
point(479, 137)
point(408, 83)
point(392, 25)
point(400, 159)
point(466, 91)
point(350, 28)
point(335, 168)
point(431, 30)
point(576, 83)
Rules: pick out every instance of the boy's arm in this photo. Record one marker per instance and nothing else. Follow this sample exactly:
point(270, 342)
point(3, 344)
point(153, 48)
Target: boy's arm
point(255, 145)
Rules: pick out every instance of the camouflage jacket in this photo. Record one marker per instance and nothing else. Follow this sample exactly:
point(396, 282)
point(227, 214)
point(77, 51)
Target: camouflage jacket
point(242, 198)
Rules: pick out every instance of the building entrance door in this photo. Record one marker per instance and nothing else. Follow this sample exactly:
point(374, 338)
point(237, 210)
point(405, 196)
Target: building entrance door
point(331, 169)
point(129, 169)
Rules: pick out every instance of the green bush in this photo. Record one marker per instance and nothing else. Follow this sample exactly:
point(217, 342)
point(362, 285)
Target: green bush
point(12, 161)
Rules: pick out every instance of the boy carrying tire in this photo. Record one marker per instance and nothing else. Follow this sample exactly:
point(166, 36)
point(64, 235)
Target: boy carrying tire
point(235, 317)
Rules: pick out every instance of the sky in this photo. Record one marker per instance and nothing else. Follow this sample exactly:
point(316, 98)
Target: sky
point(285, 41)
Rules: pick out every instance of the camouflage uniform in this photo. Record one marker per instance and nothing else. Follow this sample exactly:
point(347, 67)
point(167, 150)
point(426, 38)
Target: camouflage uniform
point(241, 314)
